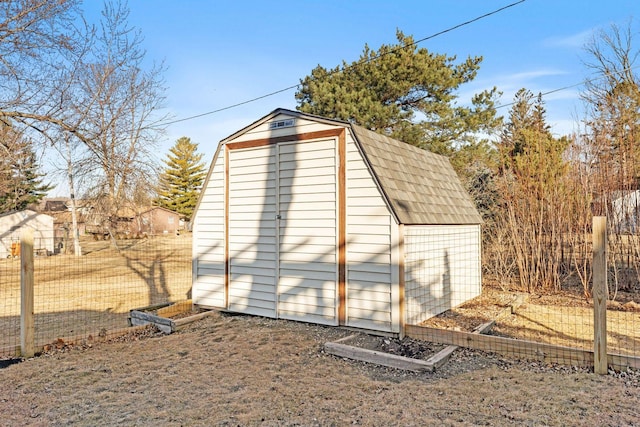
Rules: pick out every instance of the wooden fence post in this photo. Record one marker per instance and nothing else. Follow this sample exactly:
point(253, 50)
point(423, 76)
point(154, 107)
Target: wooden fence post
point(27, 324)
point(600, 295)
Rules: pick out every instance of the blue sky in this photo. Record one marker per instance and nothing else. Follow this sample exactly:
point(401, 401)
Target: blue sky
point(221, 53)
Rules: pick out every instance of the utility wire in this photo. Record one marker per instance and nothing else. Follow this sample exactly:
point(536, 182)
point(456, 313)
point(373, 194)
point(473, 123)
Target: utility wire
point(549, 92)
point(583, 82)
point(455, 27)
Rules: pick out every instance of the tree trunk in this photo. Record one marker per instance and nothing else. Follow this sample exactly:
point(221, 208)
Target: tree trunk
point(77, 250)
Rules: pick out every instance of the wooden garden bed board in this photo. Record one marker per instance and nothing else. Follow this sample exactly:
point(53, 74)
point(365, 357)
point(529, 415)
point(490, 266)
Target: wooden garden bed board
point(377, 357)
point(154, 307)
point(501, 345)
point(548, 353)
point(441, 357)
point(161, 319)
point(138, 318)
point(176, 308)
point(341, 349)
point(179, 323)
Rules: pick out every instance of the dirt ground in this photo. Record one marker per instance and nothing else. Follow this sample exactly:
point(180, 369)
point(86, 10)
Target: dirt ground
point(231, 370)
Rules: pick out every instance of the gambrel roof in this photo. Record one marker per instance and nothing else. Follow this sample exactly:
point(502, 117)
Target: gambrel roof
point(420, 187)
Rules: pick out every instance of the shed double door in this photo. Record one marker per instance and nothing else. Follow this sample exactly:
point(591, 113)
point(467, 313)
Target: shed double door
point(282, 231)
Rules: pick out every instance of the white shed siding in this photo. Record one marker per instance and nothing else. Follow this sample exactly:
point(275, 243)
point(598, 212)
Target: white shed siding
point(369, 249)
point(13, 224)
point(252, 230)
point(307, 264)
point(442, 268)
point(208, 243)
point(262, 131)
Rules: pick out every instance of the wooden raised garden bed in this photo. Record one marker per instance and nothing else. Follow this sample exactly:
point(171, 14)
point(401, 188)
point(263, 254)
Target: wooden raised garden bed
point(168, 317)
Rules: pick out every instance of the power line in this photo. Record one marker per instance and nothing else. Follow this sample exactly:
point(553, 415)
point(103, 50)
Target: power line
point(228, 107)
point(548, 92)
point(583, 82)
point(466, 23)
point(455, 27)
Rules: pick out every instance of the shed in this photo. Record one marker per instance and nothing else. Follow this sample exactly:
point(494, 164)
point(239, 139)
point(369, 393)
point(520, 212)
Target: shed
point(318, 220)
point(13, 223)
point(625, 207)
point(156, 220)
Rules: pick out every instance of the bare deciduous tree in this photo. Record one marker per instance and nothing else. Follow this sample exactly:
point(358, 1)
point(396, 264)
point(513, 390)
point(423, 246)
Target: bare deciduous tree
point(63, 80)
point(39, 44)
point(121, 104)
point(612, 142)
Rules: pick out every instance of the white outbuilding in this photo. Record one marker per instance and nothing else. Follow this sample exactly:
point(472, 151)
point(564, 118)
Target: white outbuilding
point(13, 223)
point(318, 220)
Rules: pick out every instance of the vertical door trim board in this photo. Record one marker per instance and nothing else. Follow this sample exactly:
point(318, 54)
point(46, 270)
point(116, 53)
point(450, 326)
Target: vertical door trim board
point(342, 216)
point(227, 266)
point(342, 228)
point(276, 270)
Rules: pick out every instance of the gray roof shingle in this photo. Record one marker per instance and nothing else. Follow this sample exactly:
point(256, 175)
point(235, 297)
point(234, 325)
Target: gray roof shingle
point(421, 187)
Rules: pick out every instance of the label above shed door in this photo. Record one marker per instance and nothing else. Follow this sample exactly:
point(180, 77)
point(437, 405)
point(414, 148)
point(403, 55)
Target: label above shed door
point(282, 124)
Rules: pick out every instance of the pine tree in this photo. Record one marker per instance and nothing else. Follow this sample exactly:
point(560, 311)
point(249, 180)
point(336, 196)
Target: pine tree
point(182, 178)
point(528, 149)
point(407, 93)
point(20, 182)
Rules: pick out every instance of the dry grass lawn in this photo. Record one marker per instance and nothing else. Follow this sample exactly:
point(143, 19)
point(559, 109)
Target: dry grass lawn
point(249, 371)
point(76, 296)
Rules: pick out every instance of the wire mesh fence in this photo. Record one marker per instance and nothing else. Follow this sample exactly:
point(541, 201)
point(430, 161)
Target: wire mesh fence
point(10, 304)
point(555, 326)
point(442, 269)
point(623, 309)
point(87, 295)
point(77, 297)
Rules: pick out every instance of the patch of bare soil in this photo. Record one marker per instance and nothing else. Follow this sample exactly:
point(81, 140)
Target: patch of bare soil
point(228, 370)
point(484, 308)
point(405, 347)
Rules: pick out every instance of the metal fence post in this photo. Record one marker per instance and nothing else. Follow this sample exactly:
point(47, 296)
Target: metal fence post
point(27, 324)
point(600, 294)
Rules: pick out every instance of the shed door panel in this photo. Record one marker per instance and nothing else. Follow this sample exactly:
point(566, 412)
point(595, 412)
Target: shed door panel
point(308, 264)
point(252, 231)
